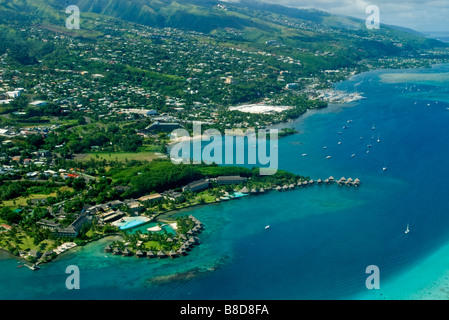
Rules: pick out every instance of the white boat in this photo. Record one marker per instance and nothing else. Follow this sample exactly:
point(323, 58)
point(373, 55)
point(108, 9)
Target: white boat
point(267, 227)
point(373, 127)
point(328, 157)
point(384, 168)
point(353, 155)
point(304, 154)
point(378, 138)
point(407, 230)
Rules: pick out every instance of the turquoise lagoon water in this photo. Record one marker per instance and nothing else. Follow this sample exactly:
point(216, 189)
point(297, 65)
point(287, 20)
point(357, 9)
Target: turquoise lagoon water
point(321, 238)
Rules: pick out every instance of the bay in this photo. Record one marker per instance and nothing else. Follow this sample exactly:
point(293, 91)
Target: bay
point(321, 238)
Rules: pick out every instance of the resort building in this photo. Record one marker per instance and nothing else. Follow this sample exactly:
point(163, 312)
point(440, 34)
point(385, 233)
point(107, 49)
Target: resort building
point(228, 180)
point(111, 216)
point(197, 186)
point(136, 207)
point(151, 198)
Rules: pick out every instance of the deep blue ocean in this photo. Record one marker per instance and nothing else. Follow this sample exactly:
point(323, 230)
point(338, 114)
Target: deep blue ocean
point(321, 238)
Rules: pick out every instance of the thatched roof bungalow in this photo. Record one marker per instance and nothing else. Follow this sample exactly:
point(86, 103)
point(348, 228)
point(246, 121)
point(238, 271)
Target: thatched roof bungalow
point(172, 254)
point(140, 254)
point(126, 252)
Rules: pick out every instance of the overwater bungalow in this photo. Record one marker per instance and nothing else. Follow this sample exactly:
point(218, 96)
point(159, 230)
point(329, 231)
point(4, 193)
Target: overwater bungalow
point(327, 181)
point(199, 225)
point(140, 254)
point(126, 252)
point(244, 190)
point(342, 180)
point(172, 254)
point(331, 179)
point(311, 182)
point(319, 181)
point(305, 183)
point(262, 190)
point(161, 254)
point(108, 248)
point(349, 182)
point(181, 252)
point(291, 186)
point(357, 182)
point(116, 251)
point(278, 188)
point(150, 254)
point(285, 187)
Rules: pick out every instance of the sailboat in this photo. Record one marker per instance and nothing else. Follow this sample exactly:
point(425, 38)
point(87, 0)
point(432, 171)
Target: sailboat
point(267, 226)
point(407, 230)
point(378, 138)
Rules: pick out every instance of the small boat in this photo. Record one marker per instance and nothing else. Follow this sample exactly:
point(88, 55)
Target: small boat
point(369, 146)
point(304, 154)
point(384, 168)
point(353, 155)
point(378, 138)
point(339, 142)
point(373, 127)
point(328, 157)
point(20, 266)
point(407, 230)
point(267, 227)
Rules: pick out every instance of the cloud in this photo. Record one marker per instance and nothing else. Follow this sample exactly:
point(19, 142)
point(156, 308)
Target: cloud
point(421, 15)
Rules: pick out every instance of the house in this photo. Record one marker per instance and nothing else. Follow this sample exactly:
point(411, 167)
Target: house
point(6, 132)
point(13, 94)
point(35, 254)
point(39, 103)
point(196, 186)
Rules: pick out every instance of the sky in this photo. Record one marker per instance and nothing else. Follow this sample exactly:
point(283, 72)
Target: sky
point(420, 15)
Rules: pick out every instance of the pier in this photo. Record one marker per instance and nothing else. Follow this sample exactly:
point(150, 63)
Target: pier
point(331, 180)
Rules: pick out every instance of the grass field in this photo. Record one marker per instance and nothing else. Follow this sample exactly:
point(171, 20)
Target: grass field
point(22, 201)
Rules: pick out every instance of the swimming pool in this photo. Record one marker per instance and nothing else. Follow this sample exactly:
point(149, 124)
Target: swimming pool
point(130, 222)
